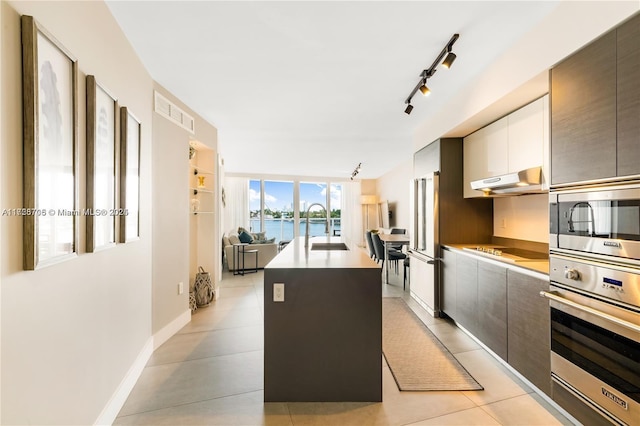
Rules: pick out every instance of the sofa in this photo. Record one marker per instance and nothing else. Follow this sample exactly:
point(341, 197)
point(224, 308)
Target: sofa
point(267, 248)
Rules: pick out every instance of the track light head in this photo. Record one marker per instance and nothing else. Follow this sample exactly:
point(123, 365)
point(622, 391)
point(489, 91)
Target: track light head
point(449, 60)
point(424, 89)
point(408, 109)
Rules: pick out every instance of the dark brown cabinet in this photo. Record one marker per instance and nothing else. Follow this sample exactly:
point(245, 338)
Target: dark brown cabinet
point(448, 274)
point(583, 114)
point(467, 293)
point(503, 309)
point(492, 307)
point(529, 328)
point(628, 93)
point(595, 109)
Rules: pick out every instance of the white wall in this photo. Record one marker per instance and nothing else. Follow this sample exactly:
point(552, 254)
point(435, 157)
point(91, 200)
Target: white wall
point(394, 187)
point(174, 244)
point(571, 25)
point(72, 331)
point(523, 218)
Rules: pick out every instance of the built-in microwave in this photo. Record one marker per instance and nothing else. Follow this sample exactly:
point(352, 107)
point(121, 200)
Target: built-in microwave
point(597, 220)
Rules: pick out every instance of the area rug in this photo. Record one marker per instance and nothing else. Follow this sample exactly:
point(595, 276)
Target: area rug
point(417, 359)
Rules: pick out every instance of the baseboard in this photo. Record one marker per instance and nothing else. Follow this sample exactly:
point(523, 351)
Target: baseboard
point(422, 304)
point(170, 329)
point(119, 397)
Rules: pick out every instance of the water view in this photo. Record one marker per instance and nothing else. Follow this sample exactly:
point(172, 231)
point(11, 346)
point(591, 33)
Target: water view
point(282, 229)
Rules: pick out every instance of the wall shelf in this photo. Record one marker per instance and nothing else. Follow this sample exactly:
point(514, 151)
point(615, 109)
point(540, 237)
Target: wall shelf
point(203, 190)
point(200, 171)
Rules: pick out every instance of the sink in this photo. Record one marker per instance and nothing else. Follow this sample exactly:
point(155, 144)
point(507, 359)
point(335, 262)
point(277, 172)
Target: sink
point(329, 246)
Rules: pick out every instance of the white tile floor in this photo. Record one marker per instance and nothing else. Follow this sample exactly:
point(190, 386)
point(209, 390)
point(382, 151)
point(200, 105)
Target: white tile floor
point(210, 373)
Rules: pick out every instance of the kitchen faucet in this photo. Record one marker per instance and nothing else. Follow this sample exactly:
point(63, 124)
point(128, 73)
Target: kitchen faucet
point(326, 224)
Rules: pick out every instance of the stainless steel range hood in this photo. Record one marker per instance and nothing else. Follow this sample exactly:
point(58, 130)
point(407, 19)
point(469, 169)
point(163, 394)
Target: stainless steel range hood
point(528, 181)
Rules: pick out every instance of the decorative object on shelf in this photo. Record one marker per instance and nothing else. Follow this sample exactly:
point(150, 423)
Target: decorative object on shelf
point(195, 205)
point(102, 112)
point(192, 152)
point(129, 176)
point(50, 143)
point(203, 288)
point(201, 183)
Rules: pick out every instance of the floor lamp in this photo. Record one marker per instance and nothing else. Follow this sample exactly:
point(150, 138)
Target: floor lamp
point(367, 200)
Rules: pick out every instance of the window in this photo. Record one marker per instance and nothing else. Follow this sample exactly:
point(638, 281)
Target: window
point(255, 206)
point(272, 208)
point(278, 210)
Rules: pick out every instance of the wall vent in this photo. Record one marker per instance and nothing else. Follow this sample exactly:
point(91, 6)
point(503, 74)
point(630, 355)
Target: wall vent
point(173, 113)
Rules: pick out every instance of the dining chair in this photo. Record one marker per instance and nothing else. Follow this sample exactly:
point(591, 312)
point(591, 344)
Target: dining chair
point(372, 252)
point(394, 255)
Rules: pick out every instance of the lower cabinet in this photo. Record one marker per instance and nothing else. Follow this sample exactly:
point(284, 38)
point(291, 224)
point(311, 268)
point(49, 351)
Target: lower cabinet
point(448, 279)
point(467, 293)
point(423, 282)
point(492, 307)
point(529, 328)
point(503, 309)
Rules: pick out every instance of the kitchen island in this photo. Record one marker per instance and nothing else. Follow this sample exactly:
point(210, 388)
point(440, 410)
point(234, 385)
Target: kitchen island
point(322, 323)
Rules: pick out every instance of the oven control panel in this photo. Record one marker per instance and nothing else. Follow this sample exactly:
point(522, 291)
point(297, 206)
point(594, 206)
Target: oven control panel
point(610, 281)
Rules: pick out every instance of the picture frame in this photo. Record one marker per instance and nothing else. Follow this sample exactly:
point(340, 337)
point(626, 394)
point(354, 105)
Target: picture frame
point(130, 132)
point(101, 211)
point(50, 139)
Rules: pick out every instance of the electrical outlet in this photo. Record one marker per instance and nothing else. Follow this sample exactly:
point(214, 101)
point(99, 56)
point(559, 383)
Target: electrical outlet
point(180, 288)
point(278, 292)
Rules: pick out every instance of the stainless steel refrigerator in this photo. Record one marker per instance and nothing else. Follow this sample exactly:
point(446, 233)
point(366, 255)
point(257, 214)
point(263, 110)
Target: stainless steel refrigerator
point(425, 245)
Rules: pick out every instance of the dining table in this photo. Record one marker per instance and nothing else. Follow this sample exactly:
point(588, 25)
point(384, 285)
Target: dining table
point(391, 240)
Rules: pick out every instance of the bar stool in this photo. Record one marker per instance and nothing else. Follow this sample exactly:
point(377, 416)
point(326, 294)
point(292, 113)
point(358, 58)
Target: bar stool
point(239, 253)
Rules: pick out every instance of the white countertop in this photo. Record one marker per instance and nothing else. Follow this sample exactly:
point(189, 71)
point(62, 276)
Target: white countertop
point(540, 266)
point(295, 255)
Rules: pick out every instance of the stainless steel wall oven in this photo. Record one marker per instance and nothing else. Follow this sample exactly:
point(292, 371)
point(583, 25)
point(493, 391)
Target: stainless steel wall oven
point(594, 297)
point(601, 220)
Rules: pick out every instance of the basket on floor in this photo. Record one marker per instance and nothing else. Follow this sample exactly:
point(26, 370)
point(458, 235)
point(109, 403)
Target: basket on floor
point(203, 288)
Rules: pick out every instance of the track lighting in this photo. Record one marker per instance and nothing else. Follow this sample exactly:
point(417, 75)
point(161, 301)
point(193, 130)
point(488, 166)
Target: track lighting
point(449, 60)
point(424, 89)
point(429, 72)
point(408, 109)
point(356, 171)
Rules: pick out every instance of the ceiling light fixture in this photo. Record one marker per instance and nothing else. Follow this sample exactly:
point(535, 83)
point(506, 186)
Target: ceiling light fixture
point(448, 61)
point(424, 89)
point(356, 171)
point(429, 72)
point(408, 109)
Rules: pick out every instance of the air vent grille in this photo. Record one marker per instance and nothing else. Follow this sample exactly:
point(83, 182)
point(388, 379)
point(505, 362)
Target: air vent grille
point(173, 113)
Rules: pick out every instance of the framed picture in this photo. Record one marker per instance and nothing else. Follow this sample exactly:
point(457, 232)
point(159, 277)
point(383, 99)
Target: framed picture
point(50, 138)
point(129, 176)
point(101, 212)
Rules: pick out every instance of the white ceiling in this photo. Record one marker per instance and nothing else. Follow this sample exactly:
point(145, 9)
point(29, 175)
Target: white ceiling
point(314, 88)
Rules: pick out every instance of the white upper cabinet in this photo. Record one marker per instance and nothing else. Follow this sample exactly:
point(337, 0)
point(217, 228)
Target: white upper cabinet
point(516, 142)
point(485, 154)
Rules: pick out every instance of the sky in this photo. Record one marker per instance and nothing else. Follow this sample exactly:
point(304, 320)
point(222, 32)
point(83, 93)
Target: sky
point(279, 195)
